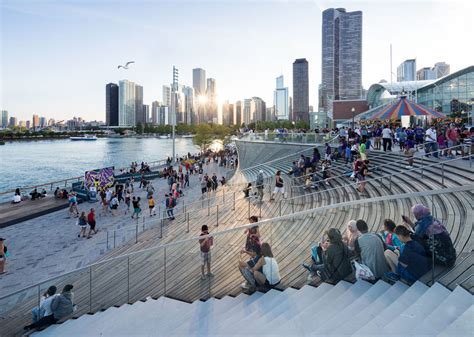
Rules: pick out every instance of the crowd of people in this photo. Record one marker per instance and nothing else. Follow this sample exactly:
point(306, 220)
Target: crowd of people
point(399, 252)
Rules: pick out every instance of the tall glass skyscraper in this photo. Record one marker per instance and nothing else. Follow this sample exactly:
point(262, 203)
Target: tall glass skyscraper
point(300, 90)
point(406, 71)
point(199, 81)
point(280, 100)
point(341, 56)
point(126, 103)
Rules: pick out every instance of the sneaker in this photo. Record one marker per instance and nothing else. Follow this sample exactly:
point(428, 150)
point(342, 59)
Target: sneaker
point(409, 167)
point(210, 275)
point(392, 276)
point(307, 266)
point(245, 286)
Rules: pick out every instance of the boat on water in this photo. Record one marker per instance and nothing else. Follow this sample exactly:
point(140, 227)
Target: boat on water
point(84, 137)
point(164, 137)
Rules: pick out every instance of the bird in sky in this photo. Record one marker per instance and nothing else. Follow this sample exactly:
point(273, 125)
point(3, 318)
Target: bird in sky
point(126, 65)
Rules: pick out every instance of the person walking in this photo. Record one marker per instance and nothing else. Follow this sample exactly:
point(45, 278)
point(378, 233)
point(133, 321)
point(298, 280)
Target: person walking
point(186, 180)
point(136, 207)
point(279, 188)
point(205, 245)
point(82, 222)
point(260, 186)
point(127, 200)
point(387, 135)
point(151, 206)
point(170, 203)
point(432, 140)
point(91, 222)
point(73, 205)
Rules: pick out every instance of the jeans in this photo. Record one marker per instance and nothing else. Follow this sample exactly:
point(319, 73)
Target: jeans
point(387, 144)
point(432, 147)
point(36, 314)
point(169, 211)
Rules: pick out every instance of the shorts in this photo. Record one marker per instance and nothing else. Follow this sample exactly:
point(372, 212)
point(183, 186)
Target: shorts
point(409, 152)
point(137, 210)
point(452, 143)
point(203, 190)
point(92, 225)
point(205, 257)
point(279, 190)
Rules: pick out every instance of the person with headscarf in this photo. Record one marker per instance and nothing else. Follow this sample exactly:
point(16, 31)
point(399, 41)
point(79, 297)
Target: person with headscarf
point(350, 235)
point(433, 235)
point(317, 253)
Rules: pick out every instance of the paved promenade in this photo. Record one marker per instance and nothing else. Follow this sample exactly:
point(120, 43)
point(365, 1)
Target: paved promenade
point(46, 246)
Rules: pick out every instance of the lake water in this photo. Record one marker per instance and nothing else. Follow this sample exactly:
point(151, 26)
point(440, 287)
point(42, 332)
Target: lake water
point(29, 163)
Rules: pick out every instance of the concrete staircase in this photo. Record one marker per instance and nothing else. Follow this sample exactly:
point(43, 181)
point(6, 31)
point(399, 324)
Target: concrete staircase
point(359, 309)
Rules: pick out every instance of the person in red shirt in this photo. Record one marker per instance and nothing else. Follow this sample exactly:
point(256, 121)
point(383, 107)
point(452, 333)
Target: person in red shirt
point(91, 222)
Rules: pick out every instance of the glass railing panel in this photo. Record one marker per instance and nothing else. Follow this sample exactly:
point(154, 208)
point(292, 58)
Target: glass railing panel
point(147, 275)
point(15, 310)
point(110, 283)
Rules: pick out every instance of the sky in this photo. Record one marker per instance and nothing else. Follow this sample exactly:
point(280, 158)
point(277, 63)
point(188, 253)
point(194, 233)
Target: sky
point(57, 56)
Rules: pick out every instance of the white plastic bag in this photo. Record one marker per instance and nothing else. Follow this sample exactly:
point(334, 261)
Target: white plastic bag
point(362, 272)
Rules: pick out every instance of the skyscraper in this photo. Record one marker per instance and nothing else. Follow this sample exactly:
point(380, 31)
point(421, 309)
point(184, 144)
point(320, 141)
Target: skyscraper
point(247, 111)
point(189, 113)
point(211, 101)
point(166, 95)
point(238, 113)
point(155, 112)
point(406, 71)
point(341, 73)
point(300, 90)
point(126, 103)
point(259, 109)
point(36, 122)
point(199, 81)
point(425, 73)
point(139, 115)
point(12, 122)
point(441, 69)
point(4, 118)
point(280, 100)
point(146, 113)
point(112, 104)
point(42, 122)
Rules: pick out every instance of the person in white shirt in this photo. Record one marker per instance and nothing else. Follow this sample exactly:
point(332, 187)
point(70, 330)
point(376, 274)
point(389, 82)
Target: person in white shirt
point(387, 135)
point(432, 139)
point(16, 199)
point(270, 275)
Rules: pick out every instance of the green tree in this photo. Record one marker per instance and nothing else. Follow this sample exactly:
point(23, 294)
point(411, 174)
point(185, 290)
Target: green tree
point(203, 137)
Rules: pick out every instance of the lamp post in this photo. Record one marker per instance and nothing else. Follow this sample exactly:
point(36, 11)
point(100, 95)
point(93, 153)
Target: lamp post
point(173, 110)
point(353, 116)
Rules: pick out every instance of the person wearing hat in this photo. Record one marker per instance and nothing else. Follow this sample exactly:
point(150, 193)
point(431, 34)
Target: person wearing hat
point(259, 185)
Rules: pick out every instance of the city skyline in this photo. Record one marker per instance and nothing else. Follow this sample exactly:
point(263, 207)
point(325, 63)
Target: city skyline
point(50, 47)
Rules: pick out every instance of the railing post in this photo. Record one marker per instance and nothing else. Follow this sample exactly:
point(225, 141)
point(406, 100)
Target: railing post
point(432, 259)
point(161, 228)
point(249, 209)
point(128, 279)
point(422, 164)
point(390, 184)
point(159, 211)
point(187, 220)
point(39, 296)
point(164, 271)
point(442, 174)
point(143, 225)
point(223, 195)
point(217, 216)
point(234, 203)
point(280, 207)
point(114, 238)
point(260, 210)
point(107, 248)
point(90, 289)
point(136, 233)
point(208, 208)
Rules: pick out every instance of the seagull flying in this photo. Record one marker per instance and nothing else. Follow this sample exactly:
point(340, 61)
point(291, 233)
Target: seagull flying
point(126, 65)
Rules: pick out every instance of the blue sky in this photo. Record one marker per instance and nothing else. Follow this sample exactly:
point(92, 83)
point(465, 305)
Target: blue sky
point(57, 56)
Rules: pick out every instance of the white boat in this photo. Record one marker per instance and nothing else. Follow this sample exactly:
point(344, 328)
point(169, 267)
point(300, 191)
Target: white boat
point(84, 137)
point(163, 137)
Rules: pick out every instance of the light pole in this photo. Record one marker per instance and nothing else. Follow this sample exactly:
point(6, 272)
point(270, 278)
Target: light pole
point(173, 110)
point(353, 116)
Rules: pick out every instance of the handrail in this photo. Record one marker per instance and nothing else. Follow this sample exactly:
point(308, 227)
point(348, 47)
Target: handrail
point(159, 221)
point(262, 222)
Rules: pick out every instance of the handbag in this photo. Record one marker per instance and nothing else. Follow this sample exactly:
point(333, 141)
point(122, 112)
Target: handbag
point(362, 272)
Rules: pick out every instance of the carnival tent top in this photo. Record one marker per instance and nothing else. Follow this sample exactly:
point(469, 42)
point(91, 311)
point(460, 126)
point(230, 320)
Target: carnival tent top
point(404, 107)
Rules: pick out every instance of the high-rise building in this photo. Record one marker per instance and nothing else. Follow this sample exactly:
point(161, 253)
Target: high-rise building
point(247, 112)
point(258, 109)
point(112, 104)
point(425, 73)
point(227, 113)
point(280, 100)
point(146, 113)
point(166, 95)
point(12, 122)
point(139, 116)
point(300, 90)
point(406, 71)
point(238, 113)
point(126, 103)
point(441, 69)
point(28, 125)
point(155, 112)
point(42, 122)
point(341, 73)
point(199, 81)
point(189, 113)
point(51, 122)
point(211, 93)
point(36, 122)
point(270, 114)
point(4, 118)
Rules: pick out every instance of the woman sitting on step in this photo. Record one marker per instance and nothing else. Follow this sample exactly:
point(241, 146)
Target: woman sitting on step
point(261, 271)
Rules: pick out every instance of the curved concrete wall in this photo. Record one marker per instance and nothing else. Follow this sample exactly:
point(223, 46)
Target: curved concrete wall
point(253, 153)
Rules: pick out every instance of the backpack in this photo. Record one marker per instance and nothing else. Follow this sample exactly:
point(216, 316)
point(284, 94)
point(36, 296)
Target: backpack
point(171, 202)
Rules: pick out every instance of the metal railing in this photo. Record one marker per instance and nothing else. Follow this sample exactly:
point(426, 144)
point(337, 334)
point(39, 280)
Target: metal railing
point(226, 206)
point(165, 269)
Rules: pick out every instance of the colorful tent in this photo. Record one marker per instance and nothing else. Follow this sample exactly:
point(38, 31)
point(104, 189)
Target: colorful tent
point(404, 107)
